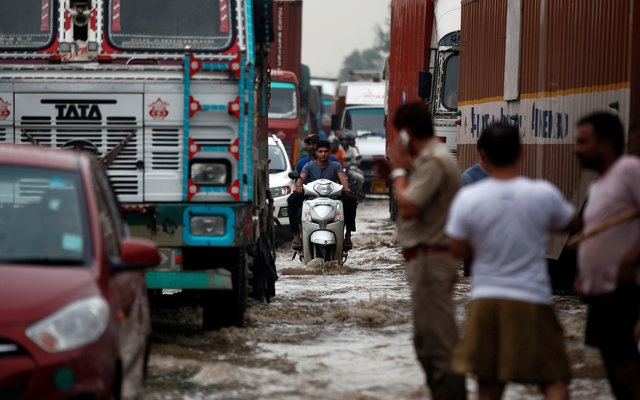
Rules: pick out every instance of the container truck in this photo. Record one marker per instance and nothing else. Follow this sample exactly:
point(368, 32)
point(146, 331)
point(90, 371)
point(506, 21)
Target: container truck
point(423, 65)
point(542, 66)
point(172, 97)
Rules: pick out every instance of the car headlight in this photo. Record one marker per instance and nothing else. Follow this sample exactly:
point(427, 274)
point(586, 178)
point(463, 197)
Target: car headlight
point(208, 225)
point(280, 191)
point(75, 325)
point(213, 173)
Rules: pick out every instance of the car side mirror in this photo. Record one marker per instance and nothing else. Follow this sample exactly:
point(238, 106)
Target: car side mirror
point(294, 175)
point(136, 254)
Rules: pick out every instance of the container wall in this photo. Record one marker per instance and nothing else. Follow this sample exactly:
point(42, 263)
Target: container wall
point(411, 29)
point(286, 49)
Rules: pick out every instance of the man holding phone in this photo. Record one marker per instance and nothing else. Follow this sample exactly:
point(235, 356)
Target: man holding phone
point(425, 179)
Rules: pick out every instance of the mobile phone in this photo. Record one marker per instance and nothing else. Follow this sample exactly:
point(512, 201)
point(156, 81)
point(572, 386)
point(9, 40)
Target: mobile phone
point(404, 138)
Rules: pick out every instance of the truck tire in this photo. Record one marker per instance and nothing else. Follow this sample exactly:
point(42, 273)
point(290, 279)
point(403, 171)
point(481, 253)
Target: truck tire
point(226, 308)
point(264, 273)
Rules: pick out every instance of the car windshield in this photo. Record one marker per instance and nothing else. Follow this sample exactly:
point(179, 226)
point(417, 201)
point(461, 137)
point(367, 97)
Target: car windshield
point(42, 217)
point(204, 25)
point(365, 121)
point(277, 159)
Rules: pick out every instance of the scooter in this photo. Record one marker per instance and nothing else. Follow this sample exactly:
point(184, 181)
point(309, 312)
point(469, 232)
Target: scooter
point(322, 222)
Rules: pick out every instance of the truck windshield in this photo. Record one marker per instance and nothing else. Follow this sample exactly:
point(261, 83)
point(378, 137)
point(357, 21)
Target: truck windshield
point(42, 217)
point(204, 25)
point(365, 121)
point(27, 24)
point(450, 86)
point(283, 103)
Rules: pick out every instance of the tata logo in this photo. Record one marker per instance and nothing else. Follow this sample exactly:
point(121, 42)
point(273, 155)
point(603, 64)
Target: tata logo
point(78, 110)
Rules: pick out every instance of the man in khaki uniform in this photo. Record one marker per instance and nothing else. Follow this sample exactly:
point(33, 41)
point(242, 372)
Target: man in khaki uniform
point(425, 179)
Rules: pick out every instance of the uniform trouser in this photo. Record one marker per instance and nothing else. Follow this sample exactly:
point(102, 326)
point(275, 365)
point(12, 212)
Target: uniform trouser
point(294, 205)
point(431, 278)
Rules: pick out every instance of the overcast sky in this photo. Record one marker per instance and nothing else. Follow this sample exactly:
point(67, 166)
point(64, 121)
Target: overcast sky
point(332, 29)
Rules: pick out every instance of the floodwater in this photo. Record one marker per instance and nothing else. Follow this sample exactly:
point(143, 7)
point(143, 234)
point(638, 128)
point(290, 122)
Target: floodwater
point(330, 332)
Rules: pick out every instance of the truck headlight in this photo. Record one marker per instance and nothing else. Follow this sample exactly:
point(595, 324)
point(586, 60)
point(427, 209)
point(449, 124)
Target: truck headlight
point(280, 191)
point(208, 225)
point(211, 173)
point(75, 325)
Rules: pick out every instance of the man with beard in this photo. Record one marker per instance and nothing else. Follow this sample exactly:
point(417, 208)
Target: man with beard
point(608, 277)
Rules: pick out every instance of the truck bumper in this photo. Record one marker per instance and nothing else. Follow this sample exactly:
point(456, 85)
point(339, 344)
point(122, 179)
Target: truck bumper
point(210, 279)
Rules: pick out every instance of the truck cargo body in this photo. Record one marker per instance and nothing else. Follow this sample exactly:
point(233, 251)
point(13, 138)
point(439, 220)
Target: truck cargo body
point(177, 112)
point(543, 66)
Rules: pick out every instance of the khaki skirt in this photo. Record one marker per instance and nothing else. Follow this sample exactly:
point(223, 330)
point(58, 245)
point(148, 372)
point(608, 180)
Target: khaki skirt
point(512, 341)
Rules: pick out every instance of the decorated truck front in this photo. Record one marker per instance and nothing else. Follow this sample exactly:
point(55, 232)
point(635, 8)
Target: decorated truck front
point(172, 96)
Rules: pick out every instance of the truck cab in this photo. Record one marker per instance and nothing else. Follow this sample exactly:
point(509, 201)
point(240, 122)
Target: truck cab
point(360, 110)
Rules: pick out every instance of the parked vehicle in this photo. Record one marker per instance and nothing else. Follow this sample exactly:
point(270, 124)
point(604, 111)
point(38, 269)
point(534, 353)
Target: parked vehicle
point(280, 186)
point(174, 100)
point(360, 110)
point(508, 74)
point(425, 67)
point(284, 110)
point(74, 313)
point(322, 222)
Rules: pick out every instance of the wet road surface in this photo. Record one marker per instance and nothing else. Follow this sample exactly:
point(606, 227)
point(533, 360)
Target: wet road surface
point(331, 332)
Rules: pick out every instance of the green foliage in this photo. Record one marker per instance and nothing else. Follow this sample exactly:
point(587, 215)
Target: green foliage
point(368, 63)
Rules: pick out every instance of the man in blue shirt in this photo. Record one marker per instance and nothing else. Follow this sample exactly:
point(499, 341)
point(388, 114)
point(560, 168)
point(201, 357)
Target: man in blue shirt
point(323, 167)
point(310, 143)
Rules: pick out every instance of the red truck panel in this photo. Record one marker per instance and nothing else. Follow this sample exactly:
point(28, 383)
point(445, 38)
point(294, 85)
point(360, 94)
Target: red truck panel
point(411, 28)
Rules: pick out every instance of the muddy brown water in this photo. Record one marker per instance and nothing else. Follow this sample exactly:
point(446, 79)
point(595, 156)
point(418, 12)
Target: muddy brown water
point(331, 332)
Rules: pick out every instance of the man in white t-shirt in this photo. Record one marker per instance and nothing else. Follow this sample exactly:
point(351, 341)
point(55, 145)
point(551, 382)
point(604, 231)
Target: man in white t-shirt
point(609, 275)
point(502, 224)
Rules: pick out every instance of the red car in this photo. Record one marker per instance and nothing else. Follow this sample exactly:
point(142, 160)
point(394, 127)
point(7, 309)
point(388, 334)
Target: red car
point(74, 314)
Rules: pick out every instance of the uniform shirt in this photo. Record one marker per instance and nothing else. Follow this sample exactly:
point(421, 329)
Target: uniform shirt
point(599, 256)
point(508, 223)
point(434, 180)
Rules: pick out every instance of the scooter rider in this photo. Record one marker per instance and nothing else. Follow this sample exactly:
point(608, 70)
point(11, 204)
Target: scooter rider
point(350, 162)
point(322, 168)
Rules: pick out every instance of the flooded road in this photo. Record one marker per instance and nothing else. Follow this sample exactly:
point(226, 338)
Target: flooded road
point(330, 332)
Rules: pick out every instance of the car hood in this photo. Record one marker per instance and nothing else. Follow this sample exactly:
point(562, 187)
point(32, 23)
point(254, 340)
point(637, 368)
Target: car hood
point(29, 293)
point(371, 146)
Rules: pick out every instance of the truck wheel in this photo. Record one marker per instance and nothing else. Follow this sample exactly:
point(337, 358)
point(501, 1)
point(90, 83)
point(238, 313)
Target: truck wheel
point(264, 273)
point(226, 308)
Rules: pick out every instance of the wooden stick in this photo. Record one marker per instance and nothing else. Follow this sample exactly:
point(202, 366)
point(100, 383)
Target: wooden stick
point(603, 226)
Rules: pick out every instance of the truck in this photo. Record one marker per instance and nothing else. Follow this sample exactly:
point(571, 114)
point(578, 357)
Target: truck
point(542, 67)
point(284, 110)
point(285, 59)
point(423, 65)
point(360, 110)
point(172, 98)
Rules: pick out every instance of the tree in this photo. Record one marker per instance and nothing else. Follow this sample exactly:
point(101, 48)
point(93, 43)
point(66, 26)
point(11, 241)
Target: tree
point(368, 63)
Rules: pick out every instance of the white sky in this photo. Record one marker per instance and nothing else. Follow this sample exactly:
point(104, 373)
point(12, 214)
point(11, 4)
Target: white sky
point(332, 29)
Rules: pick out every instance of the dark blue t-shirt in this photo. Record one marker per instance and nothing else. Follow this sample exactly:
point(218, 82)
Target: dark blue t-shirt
point(314, 171)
